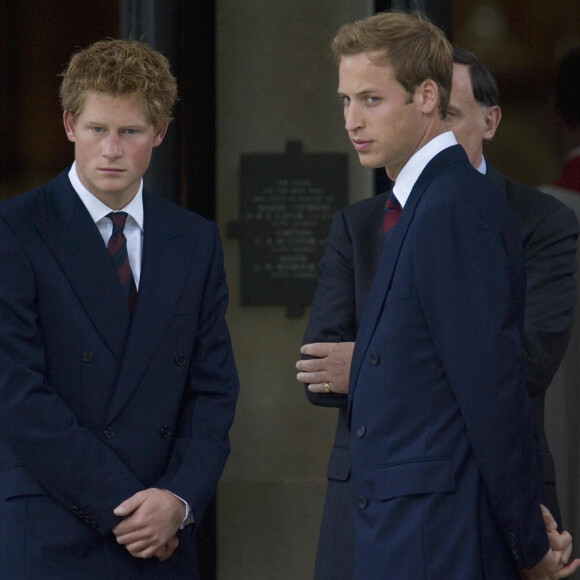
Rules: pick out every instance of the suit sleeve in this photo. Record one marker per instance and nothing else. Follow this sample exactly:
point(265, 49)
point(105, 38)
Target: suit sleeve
point(40, 430)
point(201, 450)
point(551, 294)
point(472, 293)
point(332, 313)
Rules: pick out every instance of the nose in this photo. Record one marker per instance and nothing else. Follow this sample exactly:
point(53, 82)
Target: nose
point(112, 147)
point(352, 117)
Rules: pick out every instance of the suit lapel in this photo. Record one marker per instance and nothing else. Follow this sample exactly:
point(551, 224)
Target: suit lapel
point(380, 288)
point(393, 242)
point(163, 272)
point(78, 247)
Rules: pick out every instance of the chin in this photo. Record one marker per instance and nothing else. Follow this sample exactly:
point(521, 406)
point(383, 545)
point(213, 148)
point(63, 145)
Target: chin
point(368, 162)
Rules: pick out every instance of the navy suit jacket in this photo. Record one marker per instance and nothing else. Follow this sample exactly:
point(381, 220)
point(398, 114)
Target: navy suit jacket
point(443, 454)
point(96, 407)
point(548, 232)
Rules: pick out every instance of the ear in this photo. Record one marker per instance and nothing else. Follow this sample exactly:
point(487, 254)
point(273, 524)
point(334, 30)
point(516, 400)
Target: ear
point(428, 93)
point(491, 118)
point(69, 126)
point(160, 132)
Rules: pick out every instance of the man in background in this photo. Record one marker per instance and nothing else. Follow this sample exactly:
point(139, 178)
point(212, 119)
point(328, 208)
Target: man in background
point(117, 378)
point(548, 233)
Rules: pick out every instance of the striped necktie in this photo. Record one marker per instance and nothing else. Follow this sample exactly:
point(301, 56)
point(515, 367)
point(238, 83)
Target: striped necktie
point(117, 248)
point(390, 216)
point(392, 213)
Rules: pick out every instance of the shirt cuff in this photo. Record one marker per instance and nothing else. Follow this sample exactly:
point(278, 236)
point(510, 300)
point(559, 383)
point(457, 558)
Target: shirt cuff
point(188, 518)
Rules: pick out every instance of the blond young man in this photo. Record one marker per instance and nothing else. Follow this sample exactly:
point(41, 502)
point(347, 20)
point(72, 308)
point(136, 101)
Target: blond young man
point(548, 231)
point(439, 489)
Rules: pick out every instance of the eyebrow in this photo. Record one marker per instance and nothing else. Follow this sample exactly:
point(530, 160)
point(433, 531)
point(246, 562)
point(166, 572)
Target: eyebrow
point(135, 125)
point(364, 93)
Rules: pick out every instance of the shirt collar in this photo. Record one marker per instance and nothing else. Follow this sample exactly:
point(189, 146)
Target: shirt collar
point(98, 209)
point(414, 167)
point(482, 166)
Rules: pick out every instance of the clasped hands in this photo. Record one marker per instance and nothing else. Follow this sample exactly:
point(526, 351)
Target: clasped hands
point(151, 519)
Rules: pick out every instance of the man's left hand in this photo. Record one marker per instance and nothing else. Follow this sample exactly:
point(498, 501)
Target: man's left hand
point(151, 519)
point(329, 369)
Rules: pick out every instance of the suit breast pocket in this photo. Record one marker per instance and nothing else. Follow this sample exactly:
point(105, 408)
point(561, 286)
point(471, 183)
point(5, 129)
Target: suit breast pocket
point(397, 294)
point(186, 308)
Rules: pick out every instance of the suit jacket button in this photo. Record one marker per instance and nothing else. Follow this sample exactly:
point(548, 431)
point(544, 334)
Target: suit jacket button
point(361, 431)
point(109, 433)
point(363, 502)
point(179, 360)
point(165, 431)
point(374, 358)
point(88, 356)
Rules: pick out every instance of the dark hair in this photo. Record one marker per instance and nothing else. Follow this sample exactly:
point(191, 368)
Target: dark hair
point(482, 82)
point(568, 87)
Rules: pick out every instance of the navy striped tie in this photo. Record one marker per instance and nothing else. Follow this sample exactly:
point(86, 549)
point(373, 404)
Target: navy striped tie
point(117, 247)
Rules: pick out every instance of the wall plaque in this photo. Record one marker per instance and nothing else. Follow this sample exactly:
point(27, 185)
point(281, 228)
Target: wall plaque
point(287, 203)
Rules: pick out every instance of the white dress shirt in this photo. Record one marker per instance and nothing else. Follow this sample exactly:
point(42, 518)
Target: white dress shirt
point(414, 167)
point(133, 227)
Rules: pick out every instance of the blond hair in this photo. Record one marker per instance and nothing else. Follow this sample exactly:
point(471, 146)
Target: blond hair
point(120, 67)
point(411, 44)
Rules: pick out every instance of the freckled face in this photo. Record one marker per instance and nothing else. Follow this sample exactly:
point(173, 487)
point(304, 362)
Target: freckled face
point(113, 140)
point(383, 121)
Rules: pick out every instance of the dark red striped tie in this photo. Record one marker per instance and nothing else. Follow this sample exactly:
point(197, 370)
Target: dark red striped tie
point(392, 212)
point(117, 247)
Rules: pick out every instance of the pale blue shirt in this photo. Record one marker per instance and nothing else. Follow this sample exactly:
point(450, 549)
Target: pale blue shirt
point(419, 160)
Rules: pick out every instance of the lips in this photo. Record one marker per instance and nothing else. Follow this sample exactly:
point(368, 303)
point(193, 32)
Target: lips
point(361, 145)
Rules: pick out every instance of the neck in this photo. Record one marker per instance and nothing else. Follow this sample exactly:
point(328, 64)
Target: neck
point(431, 131)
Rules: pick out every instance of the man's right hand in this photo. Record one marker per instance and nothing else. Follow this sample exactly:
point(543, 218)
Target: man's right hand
point(554, 565)
point(329, 369)
point(149, 524)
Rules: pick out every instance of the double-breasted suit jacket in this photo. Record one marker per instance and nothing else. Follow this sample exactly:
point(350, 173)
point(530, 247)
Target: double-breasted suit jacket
point(96, 406)
point(548, 232)
point(445, 463)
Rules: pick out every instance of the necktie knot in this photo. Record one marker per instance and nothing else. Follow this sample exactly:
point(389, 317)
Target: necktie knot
point(118, 218)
